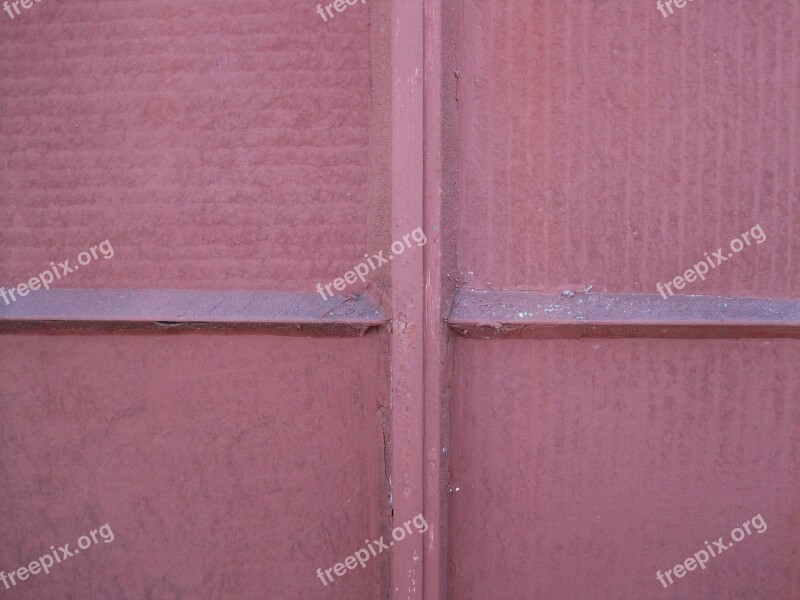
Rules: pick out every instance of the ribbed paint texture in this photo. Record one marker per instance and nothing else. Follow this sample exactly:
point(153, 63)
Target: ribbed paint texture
point(227, 466)
point(216, 146)
point(581, 468)
point(603, 144)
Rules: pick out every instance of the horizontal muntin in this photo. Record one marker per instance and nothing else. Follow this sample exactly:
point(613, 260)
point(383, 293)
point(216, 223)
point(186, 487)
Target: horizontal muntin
point(167, 308)
point(542, 315)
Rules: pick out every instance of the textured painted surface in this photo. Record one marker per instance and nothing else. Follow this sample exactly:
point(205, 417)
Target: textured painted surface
point(603, 144)
point(580, 468)
point(236, 147)
point(216, 146)
point(228, 466)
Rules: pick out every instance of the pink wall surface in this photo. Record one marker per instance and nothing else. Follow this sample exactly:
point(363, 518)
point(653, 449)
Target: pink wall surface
point(545, 145)
point(603, 144)
point(582, 467)
point(215, 146)
point(227, 466)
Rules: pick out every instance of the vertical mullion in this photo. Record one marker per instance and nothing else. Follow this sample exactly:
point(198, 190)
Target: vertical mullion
point(436, 333)
point(407, 293)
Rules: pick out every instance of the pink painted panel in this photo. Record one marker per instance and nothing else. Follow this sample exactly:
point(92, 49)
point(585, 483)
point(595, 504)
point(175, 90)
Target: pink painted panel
point(217, 146)
point(581, 468)
point(227, 466)
point(603, 144)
